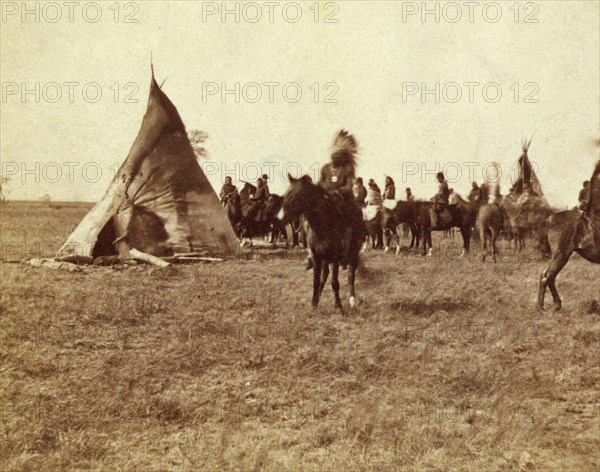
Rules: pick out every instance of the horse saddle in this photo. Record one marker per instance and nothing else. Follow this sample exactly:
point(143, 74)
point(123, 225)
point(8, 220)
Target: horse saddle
point(370, 212)
point(390, 204)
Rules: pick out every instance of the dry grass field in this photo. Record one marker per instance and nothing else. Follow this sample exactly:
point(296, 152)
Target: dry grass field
point(445, 366)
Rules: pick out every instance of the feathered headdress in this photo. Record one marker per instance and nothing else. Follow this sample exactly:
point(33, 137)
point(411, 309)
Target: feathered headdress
point(344, 150)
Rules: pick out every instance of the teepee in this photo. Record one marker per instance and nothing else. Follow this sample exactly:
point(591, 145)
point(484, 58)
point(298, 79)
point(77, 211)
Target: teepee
point(526, 173)
point(160, 202)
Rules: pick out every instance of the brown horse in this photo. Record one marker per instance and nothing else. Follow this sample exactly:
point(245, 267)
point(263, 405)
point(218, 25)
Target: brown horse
point(490, 221)
point(325, 229)
point(405, 213)
point(460, 214)
point(568, 232)
point(527, 217)
point(245, 227)
point(374, 231)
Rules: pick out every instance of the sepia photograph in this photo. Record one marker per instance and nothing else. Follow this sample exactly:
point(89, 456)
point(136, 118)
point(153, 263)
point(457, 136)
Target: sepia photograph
point(300, 236)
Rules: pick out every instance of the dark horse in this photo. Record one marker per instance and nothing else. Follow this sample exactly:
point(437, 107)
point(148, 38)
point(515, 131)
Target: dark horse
point(267, 224)
point(325, 230)
point(459, 213)
point(568, 232)
point(404, 213)
point(374, 230)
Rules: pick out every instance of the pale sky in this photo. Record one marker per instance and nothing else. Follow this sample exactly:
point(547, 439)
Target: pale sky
point(374, 53)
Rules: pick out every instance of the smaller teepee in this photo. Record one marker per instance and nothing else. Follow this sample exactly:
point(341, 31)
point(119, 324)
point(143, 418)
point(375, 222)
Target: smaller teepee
point(527, 176)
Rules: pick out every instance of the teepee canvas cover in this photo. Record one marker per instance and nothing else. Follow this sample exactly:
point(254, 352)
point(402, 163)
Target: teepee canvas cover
point(160, 202)
point(526, 174)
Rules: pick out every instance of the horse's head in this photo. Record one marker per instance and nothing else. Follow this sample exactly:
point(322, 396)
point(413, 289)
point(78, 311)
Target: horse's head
point(274, 204)
point(297, 198)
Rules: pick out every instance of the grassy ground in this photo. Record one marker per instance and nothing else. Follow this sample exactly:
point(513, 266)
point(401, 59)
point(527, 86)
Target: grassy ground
point(445, 366)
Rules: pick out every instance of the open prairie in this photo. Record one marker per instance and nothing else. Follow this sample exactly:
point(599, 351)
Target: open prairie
point(446, 365)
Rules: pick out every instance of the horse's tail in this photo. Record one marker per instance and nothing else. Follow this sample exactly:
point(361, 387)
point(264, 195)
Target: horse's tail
point(344, 150)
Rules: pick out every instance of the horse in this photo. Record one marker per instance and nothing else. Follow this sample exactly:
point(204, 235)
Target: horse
point(373, 226)
point(524, 217)
point(326, 228)
point(403, 214)
point(571, 231)
point(459, 213)
point(234, 211)
point(246, 227)
point(490, 221)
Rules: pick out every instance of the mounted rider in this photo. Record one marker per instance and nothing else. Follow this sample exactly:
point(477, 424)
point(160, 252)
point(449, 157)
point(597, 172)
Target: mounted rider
point(490, 190)
point(390, 189)
point(360, 193)
point(584, 195)
point(228, 191)
point(440, 200)
point(337, 179)
point(475, 193)
point(258, 201)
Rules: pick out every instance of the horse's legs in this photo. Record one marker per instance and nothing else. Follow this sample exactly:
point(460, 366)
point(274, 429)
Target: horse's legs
point(281, 229)
point(483, 238)
point(466, 235)
point(387, 237)
point(397, 240)
point(548, 279)
point(521, 236)
point(324, 276)
point(494, 232)
point(429, 242)
point(423, 241)
point(317, 264)
point(414, 242)
point(335, 284)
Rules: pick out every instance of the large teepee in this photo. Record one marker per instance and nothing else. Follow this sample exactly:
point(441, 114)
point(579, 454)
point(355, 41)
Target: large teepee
point(160, 202)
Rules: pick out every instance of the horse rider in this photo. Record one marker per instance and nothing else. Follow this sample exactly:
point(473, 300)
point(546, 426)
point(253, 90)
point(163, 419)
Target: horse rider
point(374, 186)
point(409, 196)
point(228, 191)
point(374, 194)
point(490, 189)
point(389, 192)
point(259, 199)
point(265, 179)
point(490, 193)
point(584, 195)
point(475, 193)
point(337, 179)
point(440, 200)
point(360, 193)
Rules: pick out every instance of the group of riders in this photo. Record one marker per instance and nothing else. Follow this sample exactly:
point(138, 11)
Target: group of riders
point(347, 192)
point(257, 201)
